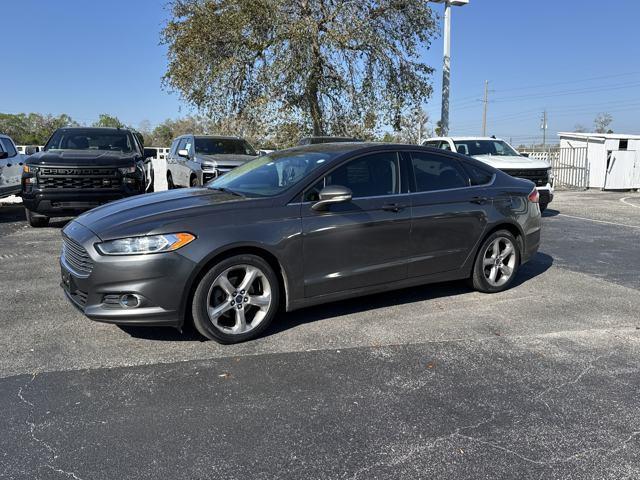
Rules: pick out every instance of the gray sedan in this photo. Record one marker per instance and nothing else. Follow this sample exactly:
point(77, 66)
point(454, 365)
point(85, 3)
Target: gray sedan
point(299, 227)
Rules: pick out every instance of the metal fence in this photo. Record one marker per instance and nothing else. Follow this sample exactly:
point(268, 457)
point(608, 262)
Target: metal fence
point(570, 166)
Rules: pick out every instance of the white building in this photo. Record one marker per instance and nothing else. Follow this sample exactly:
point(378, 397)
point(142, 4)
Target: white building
point(613, 159)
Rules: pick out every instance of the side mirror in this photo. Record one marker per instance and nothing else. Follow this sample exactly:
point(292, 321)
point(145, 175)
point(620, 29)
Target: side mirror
point(4, 155)
point(183, 153)
point(150, 152)
point(330, 195)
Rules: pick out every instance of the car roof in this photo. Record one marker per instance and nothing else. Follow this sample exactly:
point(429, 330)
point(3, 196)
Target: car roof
point(218, 137)
point(96, 129)
point(455, 139)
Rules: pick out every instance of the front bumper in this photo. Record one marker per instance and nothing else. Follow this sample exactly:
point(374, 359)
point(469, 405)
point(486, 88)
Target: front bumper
point(157, 279)
point(546, 194)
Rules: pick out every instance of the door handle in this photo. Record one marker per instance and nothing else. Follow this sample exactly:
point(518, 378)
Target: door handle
point(479, 200)
point(393, 207)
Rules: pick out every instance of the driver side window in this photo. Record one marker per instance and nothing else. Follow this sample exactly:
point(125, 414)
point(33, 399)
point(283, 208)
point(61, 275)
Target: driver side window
point(369, 176)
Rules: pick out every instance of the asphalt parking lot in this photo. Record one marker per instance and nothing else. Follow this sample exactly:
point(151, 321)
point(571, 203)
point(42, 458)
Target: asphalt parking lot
point(540, 381)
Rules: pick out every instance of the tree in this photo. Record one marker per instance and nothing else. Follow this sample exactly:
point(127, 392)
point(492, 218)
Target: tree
point(106, 120)
point(323, 61)
point(579, 128)
point(32, 128)
point(602, 122)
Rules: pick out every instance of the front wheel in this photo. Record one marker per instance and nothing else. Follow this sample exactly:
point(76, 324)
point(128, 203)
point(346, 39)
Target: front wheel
point(543, 207)
point(170, 184)
point(193, 182)
point(236, 300)
point(496, 263)
point(36, 220)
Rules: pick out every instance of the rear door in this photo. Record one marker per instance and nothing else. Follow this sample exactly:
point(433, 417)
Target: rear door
point(361, 243)
point(448, 214)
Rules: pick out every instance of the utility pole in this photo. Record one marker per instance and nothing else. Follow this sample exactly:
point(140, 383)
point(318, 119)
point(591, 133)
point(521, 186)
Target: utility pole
point(544, 129)
point(484, 112)
point(446, 66)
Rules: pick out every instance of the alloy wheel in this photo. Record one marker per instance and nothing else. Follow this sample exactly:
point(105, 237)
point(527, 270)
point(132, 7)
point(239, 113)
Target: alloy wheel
point(239, 299)
point(499, 261)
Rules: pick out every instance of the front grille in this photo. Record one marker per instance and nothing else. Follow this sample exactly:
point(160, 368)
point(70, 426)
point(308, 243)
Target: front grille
point(540, 176)
point(78, 178)
point(76, 257)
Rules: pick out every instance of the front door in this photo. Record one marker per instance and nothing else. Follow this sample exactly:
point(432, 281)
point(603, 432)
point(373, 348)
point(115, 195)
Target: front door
point(359, 243)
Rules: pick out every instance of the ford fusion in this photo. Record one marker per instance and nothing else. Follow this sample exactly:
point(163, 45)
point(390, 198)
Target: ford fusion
point(295, 228)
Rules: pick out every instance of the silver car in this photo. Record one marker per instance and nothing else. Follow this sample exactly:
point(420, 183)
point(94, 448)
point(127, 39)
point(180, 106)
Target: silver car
point(196, 159)
point(11, 163)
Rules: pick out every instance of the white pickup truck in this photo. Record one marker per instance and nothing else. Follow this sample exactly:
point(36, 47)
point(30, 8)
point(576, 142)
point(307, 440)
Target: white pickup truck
point(499, 154)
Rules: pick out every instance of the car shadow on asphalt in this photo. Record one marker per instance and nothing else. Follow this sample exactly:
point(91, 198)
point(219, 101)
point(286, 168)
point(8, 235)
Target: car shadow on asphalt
point(538, 265)
point(285, 321)
point(549, 212)
point(11, 213)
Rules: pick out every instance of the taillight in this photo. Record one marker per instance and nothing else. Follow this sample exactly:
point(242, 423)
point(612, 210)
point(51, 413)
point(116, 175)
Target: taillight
point(534, 196)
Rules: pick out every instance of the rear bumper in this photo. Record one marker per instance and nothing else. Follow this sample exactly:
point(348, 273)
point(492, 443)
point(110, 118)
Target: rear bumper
point(69, 203)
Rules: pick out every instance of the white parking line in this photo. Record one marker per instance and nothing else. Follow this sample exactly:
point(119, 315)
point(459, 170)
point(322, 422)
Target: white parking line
point(599, 221)
point(624, 200)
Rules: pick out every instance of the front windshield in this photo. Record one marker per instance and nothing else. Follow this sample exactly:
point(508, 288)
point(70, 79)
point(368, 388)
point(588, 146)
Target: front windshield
point(224, 146)
point(272, 174)
point(485, 147)
point(90, 140)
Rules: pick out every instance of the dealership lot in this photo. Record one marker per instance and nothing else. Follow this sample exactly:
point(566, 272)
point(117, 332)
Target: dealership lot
point(540, 381)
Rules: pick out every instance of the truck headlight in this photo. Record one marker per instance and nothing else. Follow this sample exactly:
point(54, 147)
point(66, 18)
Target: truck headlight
point(147, 244)
point(126, 170)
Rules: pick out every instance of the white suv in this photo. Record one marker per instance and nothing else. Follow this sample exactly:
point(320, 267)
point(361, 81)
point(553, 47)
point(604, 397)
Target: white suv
point(499, 154)
point(10, 167)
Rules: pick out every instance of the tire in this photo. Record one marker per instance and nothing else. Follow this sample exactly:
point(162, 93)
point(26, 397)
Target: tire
point(35, 220)
point(543, 207)
point(225, 318)
point(193, 182)
point(486, 266)
point(170, 184)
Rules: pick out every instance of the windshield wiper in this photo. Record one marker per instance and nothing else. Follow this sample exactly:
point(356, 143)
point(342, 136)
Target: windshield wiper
point(228, 190)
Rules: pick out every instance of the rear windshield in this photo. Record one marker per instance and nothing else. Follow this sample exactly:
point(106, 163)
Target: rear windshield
point(90, 140)
point(224, 146)
point(485, 147)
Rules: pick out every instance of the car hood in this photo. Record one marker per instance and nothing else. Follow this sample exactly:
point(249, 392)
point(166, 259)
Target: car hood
point(514, 161)
point(226, 159)
point(81, 158)
point(149, 213)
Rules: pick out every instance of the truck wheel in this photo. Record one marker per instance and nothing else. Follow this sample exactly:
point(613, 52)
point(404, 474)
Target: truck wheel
point(170, 184)
point(193, 182)
point(36, 220)
point(543, 207)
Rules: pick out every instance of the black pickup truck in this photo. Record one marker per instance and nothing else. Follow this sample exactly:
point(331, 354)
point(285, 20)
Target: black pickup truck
point(81, 168)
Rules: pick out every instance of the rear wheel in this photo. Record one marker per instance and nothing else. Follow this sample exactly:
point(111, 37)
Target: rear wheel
point(236, 300)
point(497, 263)
point(36, 220)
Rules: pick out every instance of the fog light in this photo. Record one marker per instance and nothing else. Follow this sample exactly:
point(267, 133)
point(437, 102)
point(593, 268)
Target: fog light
point(130, 300)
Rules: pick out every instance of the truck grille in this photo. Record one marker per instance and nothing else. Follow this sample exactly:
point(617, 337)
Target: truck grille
point(78, 178)
point(540, 177)
point(76, 257)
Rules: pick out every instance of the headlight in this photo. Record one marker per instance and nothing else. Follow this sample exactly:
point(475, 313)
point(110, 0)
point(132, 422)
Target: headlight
point(147, 244)
point(125, 170)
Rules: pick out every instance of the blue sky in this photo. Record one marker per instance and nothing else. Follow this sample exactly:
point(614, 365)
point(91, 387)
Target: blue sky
point(574, 58)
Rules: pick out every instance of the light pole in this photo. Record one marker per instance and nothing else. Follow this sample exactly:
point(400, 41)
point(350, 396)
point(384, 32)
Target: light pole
point(446, 67)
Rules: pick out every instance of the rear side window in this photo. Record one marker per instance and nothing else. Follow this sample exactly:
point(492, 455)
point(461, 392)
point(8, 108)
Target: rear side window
point(478, 176)
point(445, 146)
point(369, 176)
point(437, 172)
point(8, 147)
